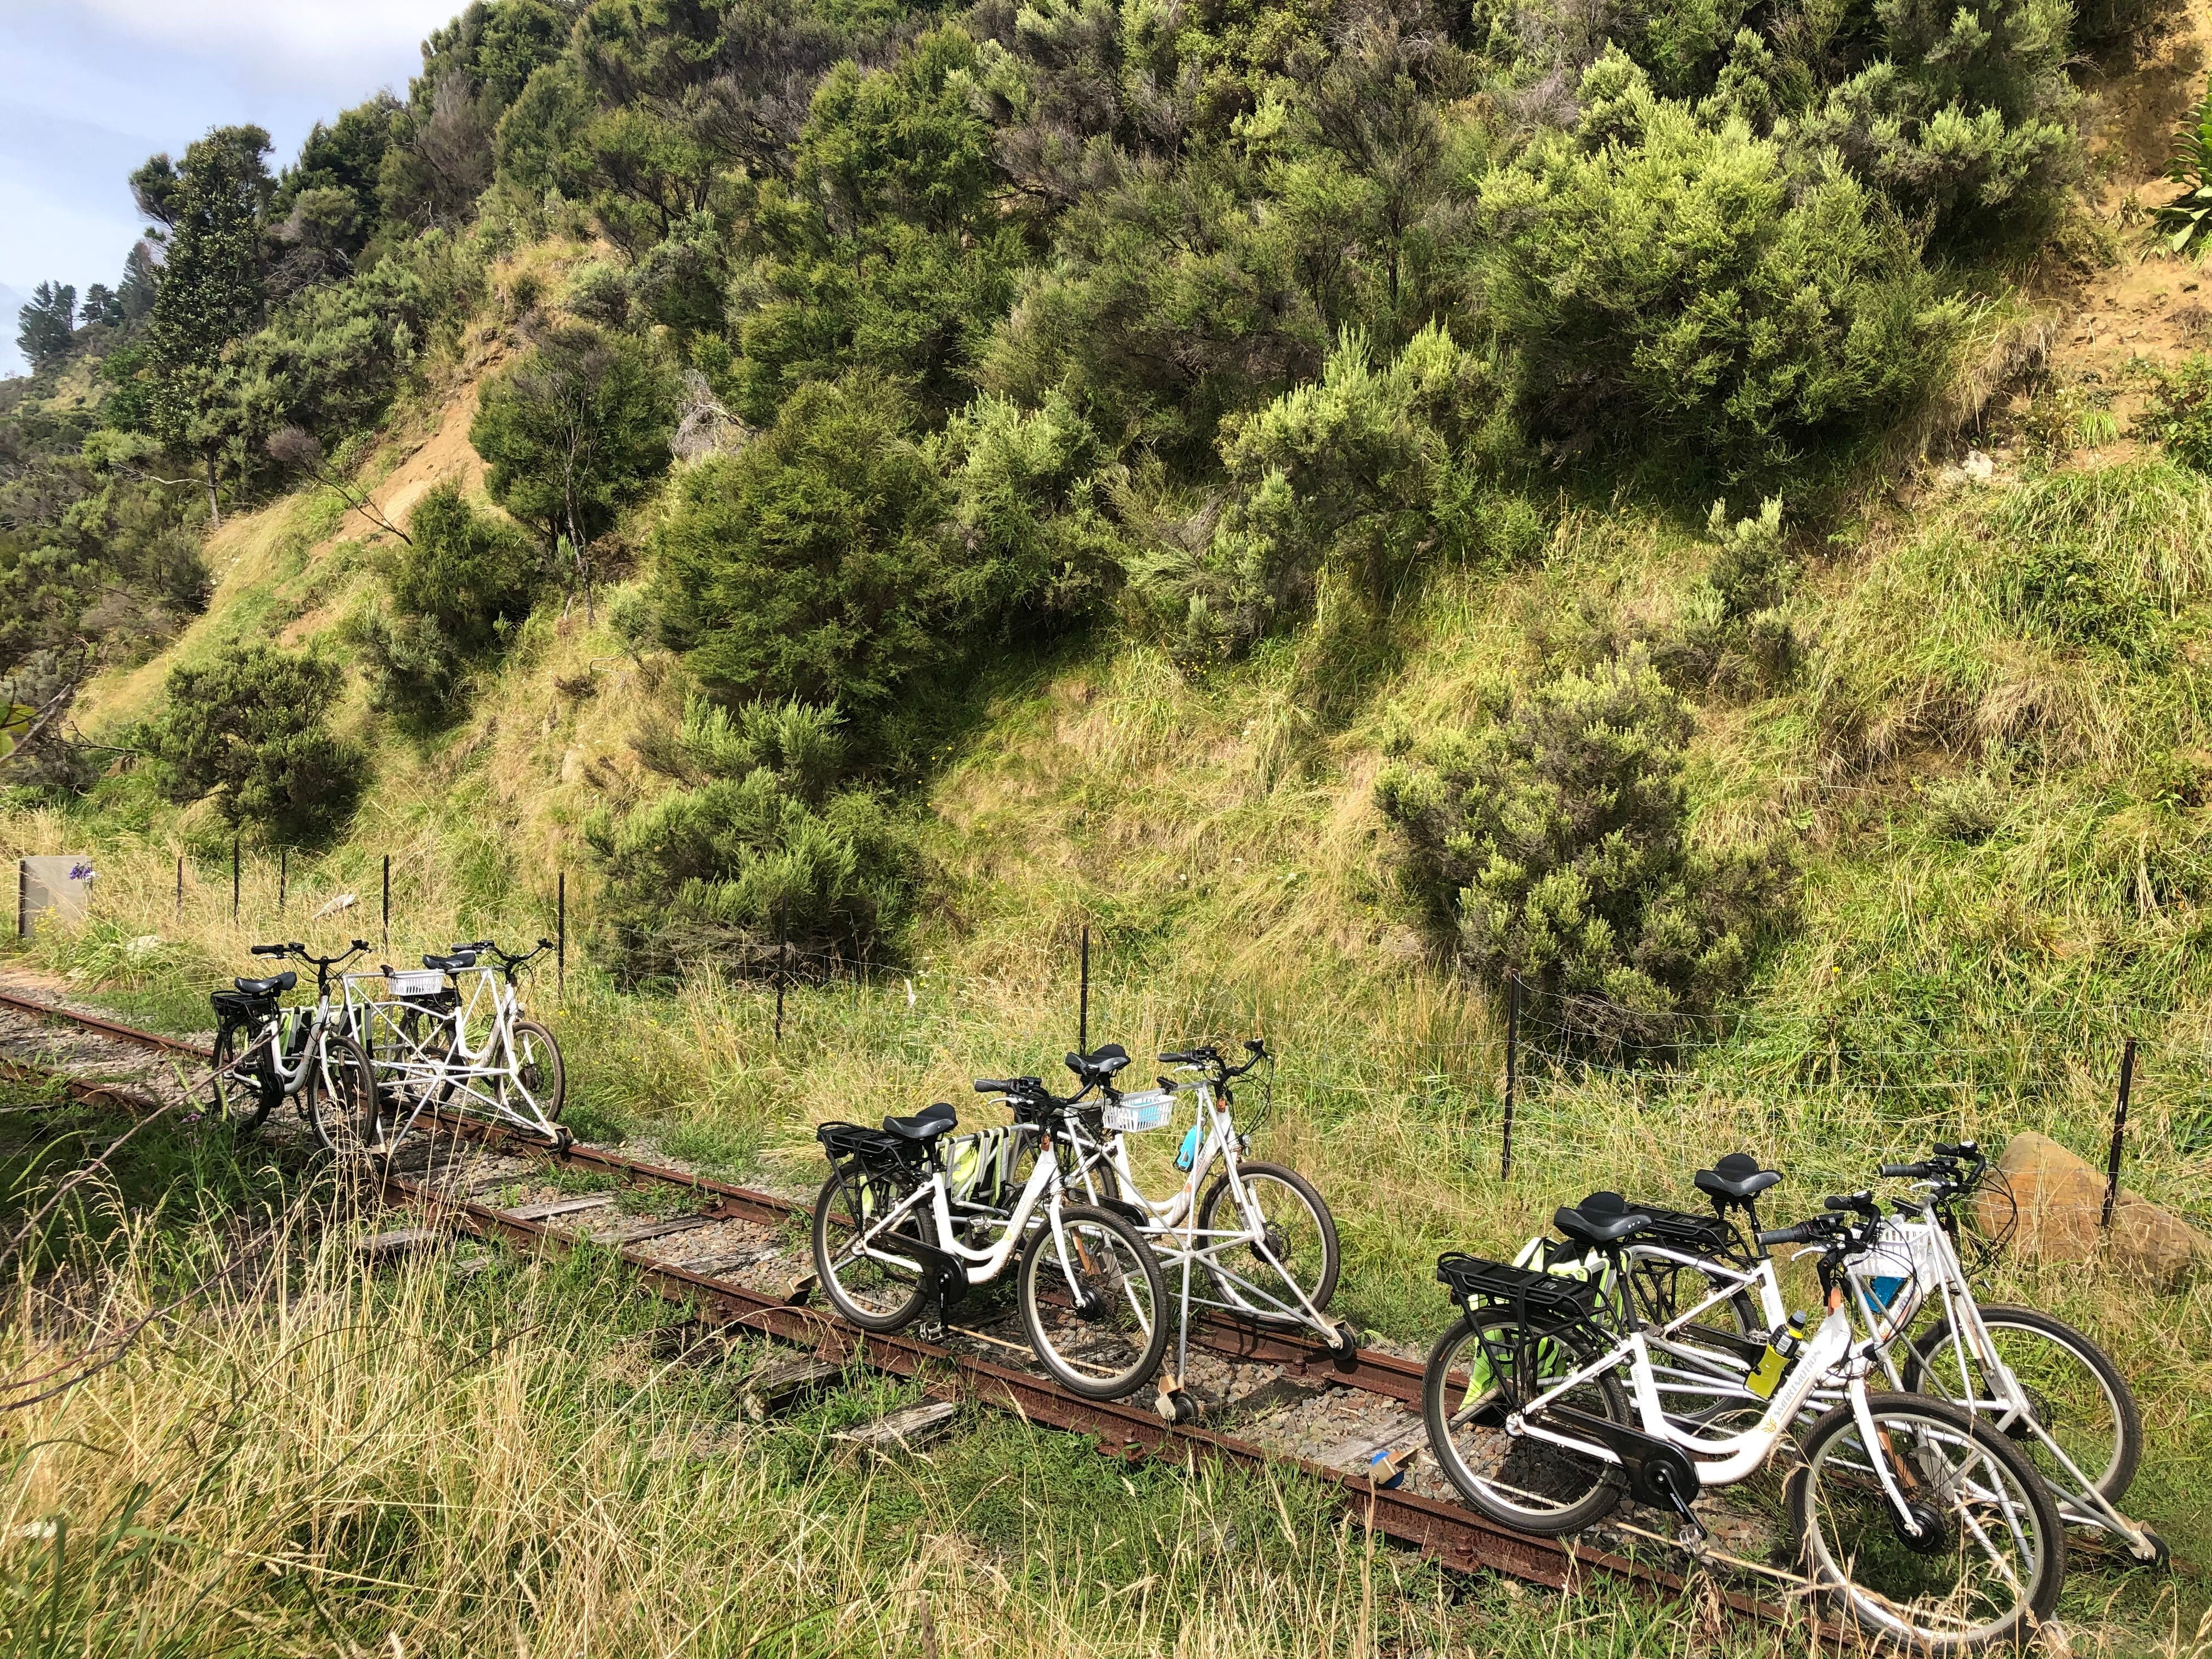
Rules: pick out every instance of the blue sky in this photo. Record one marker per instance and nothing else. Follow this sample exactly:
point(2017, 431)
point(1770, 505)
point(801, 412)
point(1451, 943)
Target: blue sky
point(90, 89)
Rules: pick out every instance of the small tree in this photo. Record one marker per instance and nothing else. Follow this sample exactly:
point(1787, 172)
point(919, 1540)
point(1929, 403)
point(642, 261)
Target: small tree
point(1553, 840)
point(252, 729)
point(574, 433)
point(210, 289)
point(46, 333)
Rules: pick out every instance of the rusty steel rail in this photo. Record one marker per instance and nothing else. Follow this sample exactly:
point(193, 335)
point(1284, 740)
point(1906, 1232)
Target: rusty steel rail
point(1459, 1538)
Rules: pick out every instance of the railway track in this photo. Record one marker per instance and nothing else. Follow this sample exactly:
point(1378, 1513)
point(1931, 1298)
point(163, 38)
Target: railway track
point(740, 1280)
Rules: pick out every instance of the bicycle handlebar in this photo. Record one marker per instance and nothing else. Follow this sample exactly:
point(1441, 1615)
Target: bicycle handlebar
point(270, 949)
point(1805, 1232)
point(1907, 1171)
point(1256, 1049)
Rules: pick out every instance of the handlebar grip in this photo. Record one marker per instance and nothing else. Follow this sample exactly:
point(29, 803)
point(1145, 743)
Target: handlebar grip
point(1185, 1057)
point(1905, 1171)
point(1256, 1047)
point(1803, 1233)
point(995, 1085)
point(266, 950)
point(1862, 1202)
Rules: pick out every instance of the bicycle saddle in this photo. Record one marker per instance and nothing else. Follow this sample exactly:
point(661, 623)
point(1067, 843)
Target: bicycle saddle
point(267, 987)
point(452, 964)
point(930, 1122)
point(1601, 1218)
point(1100, 1064)
point(1736, 1178)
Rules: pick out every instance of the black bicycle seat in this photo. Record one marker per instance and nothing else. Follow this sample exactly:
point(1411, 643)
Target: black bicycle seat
point(452, 964)
point(930, 1122)
point(1736, 1177)
point(1099, 1063)
point(267, 987)
point(1602, 1218)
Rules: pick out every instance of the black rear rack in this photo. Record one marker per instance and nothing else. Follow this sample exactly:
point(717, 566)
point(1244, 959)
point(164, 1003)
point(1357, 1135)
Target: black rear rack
point(1475, 1282)
point(851, 1146)
point(1682, 1230)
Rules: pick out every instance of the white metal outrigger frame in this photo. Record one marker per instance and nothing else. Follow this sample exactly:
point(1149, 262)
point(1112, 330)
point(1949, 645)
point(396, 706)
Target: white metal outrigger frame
point(1170, 1225)
point(429, 1062)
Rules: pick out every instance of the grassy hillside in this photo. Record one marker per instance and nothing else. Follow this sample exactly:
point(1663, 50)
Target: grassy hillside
point(1975, 716)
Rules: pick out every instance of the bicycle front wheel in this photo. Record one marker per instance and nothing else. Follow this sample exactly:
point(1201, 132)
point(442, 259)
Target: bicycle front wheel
point(2076, 1394)
point(1298, 1245)
point(343, 1101)
point(1481, 1373)
point(1096, 1311)
point(1977, 1558)
point(538, 1070)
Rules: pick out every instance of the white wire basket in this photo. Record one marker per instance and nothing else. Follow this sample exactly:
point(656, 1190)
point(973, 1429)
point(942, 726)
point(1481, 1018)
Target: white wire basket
point(421, 982)
point(1133, 1113)
point(1901, 1268)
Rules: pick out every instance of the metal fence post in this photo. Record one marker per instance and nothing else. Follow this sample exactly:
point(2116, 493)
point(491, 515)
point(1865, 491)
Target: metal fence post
point(180, 887)
point(782, 959)
point(2119, 1131)
point(388, 900)
point(283, 876)
point(1083, 999)
point(1512, 1072)
point(234, 878)
point(561, 936)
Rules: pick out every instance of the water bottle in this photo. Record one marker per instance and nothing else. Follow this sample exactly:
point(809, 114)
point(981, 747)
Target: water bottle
point(1189, 1153)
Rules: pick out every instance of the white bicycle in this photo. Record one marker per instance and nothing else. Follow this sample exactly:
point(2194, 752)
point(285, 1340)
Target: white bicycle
point(453, 1036)
point(1913, 1517)
point(892, 1241)
point(2044, 1385)
point(1260, 1235)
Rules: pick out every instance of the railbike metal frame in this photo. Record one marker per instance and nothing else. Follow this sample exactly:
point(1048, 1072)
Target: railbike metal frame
point(1170, 1225)
point(418, 1073)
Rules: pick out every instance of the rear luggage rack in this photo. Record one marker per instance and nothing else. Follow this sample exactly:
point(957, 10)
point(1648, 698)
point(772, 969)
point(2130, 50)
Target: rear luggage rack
point(1474, 1281)
point(851, 1145)
point(1680, 1230)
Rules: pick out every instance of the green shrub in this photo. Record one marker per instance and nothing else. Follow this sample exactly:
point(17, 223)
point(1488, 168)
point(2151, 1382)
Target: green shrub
point(474, 573)
point(1674, 286)
point(817, 564)
point(1551, 840)
point(251, 728)
point(2178, 413)
point(2081, 561)
point(575, 432)
point(1359, 473)
point(757, 835)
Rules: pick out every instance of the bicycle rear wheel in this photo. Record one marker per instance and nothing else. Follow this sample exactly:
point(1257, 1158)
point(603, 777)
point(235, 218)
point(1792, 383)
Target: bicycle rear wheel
point(875, 1294)
point(1300, 1240)
point(343, 1103)
point(237, 1089)
point(1984, 1555)
point(1469, 1390)
point(1098, 1317)
point(2077, 1394)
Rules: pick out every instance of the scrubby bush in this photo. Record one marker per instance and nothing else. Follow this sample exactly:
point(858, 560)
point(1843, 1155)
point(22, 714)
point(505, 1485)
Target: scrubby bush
point(462, 583)
point(1360, 472)
point(2179, 412)
point(1673, 285)
point(1552, 841)
point(575, 432)
point(817, 563)
point(2084, 559)
point(251, 728)
point(758, 836)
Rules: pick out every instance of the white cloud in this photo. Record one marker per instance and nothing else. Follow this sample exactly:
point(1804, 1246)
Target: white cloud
point(347, 42)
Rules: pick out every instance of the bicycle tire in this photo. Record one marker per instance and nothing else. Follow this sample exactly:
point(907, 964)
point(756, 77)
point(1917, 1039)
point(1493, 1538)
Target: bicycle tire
point(1324, 1227)
point(343, 1101)
point(1539, 1461)
point(2120, 1468)
point(893, 1308)
point(554, 1096)
point(245, 1100)
point(1101, 1305)
point(1970, 1457)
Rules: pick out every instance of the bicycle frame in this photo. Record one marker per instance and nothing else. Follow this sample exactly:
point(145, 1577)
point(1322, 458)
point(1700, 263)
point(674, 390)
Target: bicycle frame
point(439, 1067)
point(2008, 1405)
point(980, 1266)
point(1170, 1227)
